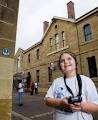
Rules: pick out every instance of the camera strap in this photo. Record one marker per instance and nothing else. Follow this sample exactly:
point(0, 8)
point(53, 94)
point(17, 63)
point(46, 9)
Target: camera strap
point(79, 84)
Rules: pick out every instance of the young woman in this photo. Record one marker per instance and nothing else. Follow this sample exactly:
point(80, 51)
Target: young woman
point(73, 96)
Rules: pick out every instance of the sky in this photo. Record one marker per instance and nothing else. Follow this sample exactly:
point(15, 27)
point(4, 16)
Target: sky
point(32, 14)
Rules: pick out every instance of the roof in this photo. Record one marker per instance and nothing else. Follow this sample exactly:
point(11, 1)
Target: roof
point(87, 14)
point(64, 19)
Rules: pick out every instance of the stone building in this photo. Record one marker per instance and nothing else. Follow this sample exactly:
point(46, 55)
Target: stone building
point(79, 35)
point(18, 68)
point(8, 22)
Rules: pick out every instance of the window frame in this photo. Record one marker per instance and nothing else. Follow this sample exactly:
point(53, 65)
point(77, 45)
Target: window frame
point(87, 32)
point(37, 75)
point(51, 43)
point(92, 66)
point(63, 39)
point(29, 57)
point(37, 54)
point(57, 41)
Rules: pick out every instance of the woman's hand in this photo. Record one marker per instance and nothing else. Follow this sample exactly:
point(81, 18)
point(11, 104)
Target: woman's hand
point(64, 103)
point(75, 107)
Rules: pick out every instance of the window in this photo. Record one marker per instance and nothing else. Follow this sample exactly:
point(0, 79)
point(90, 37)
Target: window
point(57, 41)
point(28, 79)
point(29, 58)
point(92, 66)
point(55, 26)
point(37, 75)
point(63, 39)
point(50, 74)
point(87, 32)
point(37, 54)
point(51, 43)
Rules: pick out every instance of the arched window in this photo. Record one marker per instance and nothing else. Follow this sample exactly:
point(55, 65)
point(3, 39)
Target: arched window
point(37, 75)
point(63, 39)
point(29, 57)
point(87, 32)
point(57, 41)
point(51, 43)
point(37, 54)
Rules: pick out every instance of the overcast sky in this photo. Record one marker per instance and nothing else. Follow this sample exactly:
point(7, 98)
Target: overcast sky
point(32, 14)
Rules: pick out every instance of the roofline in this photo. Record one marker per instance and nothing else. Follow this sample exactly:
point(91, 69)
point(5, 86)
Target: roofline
point(87, 14)
point(28, 49)
point(56, 18)
point(40, 42)
point(64, 19)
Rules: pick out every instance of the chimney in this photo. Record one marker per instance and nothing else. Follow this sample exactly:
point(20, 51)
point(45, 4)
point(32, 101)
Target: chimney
point(45, 25)
point(70, 9)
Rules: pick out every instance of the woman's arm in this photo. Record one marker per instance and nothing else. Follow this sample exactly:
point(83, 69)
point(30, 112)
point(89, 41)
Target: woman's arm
point(89, 107)
point(83, 106)
point(53, 102)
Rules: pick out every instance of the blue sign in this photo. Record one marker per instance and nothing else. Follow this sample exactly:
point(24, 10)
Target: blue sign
point(6, 51)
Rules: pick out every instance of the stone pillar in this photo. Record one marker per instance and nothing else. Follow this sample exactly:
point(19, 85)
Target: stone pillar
point(8, 22)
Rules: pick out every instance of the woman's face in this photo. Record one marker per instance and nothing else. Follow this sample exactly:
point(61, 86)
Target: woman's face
point(67, 63)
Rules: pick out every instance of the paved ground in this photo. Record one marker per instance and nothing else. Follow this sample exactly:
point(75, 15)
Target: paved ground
point(33, 108)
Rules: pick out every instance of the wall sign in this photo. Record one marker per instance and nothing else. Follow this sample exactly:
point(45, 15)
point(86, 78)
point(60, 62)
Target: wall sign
point(6, 51)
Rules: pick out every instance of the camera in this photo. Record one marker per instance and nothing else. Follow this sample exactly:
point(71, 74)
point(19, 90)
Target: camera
point(74, 99)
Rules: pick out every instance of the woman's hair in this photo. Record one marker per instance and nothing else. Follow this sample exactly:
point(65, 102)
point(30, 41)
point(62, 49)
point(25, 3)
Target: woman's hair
point(70, 53)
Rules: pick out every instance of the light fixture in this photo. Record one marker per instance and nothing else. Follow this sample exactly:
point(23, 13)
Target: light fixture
point(52, 66)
